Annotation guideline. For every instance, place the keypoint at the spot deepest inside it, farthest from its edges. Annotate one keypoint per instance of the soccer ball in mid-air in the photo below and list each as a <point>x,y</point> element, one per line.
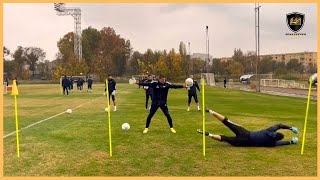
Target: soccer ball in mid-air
<point>189,82</point>
<point>69,111</point>
<point>125,126</point>
<point>106,109</point>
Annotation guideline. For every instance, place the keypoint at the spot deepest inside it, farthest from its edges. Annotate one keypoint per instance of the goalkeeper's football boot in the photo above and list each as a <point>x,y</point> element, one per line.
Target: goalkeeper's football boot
<point>200,131</point>
<point>172,130</point>
<point>145,130</point>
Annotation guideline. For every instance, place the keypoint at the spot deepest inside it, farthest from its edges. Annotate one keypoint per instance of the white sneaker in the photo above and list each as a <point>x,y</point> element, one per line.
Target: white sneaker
<point>188,109</point>
<point>198,108</point>
<point>115,108</point>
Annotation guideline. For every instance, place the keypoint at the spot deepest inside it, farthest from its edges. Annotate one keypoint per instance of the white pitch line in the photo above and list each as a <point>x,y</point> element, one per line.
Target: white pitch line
<point>12,133</point>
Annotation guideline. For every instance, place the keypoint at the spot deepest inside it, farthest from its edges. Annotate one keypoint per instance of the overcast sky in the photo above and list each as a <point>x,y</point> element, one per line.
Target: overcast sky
<point>163,26</point>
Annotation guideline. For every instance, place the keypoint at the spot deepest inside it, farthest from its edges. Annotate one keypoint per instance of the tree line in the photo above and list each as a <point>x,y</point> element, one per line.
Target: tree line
<point>106,52</point>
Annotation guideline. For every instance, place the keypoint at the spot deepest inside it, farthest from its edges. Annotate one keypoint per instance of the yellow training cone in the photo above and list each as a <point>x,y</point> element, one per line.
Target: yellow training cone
<point>14,91</point>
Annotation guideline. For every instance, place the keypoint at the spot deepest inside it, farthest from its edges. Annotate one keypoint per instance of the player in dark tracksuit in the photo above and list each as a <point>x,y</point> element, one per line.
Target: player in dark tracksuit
<point>148,90</point>
<point>90,82</point>
<point>81,83</point>
<point>112,90</point>
<point>192,92</point>
<point>266,138</point>
<point>71,83</point>
<point>159,94</point>
<point>65,85</point>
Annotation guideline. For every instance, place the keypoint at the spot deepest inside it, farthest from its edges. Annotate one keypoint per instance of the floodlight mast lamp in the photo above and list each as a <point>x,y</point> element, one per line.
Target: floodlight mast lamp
<point>76,14</point>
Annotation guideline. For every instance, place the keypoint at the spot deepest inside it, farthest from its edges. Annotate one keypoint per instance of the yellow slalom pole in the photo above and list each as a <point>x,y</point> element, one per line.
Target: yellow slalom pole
<point>14,93</point>
<point>306,117</point>
<point>17,126</point>
<point>109,118</point>
<point>203,119</point>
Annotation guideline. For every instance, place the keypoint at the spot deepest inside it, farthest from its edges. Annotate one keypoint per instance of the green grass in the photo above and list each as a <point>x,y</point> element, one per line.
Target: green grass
<point>77,144</point>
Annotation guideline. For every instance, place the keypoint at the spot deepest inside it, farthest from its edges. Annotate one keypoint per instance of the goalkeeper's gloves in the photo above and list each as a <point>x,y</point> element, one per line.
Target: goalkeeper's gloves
<point>294,130</point>
<point>294,140</point>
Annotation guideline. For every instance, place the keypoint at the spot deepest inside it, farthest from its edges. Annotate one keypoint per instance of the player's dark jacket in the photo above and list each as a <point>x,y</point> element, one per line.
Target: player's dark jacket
<point>65,82</point>
<point>264,137</point>
<point>149,90</point>
<point>193,88</point>
<point>160,91</point>
<point>81,82</point>
<point>71,80</point>
<point>111,85</point>
<point>90,82</point>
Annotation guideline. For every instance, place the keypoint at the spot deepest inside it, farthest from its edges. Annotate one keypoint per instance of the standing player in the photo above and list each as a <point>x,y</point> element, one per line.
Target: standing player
<point>112,91</point>
<point>79,84</point>
<point>192,92</point>
<point>160,90</point>
<point>148,91</point>
<point>71,83</point>
<point>225,82</point>
<point>90,81</point>
<point>6,81</point>
<point>65,85</point>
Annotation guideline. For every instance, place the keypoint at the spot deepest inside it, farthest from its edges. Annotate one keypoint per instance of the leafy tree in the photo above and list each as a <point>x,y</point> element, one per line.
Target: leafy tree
<point>90,44</point>
<point>266,65</point>
<point>295,65</point>
<point>20,63</point>
<point>235,68</point>
<point>8,66</point>
<point>33,55</point>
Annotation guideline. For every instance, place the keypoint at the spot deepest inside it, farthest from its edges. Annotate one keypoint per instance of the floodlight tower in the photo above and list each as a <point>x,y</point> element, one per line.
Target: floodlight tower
<point>257,38</point>
<point>76,14</point>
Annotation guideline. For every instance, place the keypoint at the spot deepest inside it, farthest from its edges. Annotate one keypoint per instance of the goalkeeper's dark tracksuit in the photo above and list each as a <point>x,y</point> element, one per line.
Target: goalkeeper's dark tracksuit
<point>192,92</point>
<point>90,81</point>
<point>148,92</point>
<point>65,85</point>
<point>253,138</point>
<point>111,87</point>
<point>159,95</point>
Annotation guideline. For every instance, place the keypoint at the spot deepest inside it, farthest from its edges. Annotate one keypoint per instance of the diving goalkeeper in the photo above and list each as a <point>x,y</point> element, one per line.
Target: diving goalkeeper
<point>266,138</point>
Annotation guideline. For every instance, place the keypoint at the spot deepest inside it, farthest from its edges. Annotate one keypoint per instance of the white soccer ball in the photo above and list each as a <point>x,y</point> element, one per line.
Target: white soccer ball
<point>69,111</point>
<point>106,110</point>
<point>189,82</point>
<point>125,126</point>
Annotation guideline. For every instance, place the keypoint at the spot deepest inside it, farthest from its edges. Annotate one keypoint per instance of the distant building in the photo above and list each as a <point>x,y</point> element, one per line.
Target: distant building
<point>307,58</point>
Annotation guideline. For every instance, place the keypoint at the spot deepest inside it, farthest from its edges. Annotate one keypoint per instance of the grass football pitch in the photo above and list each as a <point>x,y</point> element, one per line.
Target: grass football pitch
<point>77,144</point>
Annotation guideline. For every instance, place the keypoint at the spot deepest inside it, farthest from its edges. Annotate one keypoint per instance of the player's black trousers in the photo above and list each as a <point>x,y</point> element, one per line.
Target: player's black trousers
<point>195,97</point>
<point>65,89</point>
<point>153,110</point>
